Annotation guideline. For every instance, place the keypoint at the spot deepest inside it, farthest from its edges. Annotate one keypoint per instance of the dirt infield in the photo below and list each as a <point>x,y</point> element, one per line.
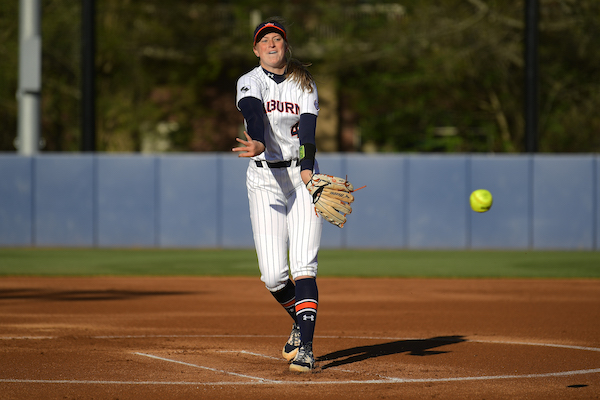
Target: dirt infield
<point>221,338</point>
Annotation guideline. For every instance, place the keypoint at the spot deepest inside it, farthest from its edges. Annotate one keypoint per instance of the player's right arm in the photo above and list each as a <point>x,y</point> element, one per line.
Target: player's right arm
<point>251,106</point>
<point>249,147</point>
<point>252,109</point>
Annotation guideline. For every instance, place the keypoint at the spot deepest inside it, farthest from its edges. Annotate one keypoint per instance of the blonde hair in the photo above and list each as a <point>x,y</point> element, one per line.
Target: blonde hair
<point>297,71</point>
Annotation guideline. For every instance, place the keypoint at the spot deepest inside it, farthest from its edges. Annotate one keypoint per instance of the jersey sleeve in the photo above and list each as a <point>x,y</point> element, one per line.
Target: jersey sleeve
<point>309,102</point>
<point>249,101</point>
<point>252,110</point>
<point>247,86</point>
<point>309,111</point>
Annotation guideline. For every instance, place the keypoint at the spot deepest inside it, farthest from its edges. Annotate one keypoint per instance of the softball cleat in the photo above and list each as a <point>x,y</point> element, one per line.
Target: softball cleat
<point>304,360</point>
<point>291,347</point>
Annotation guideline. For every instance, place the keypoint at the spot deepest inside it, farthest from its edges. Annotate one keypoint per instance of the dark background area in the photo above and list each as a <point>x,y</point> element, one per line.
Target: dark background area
<point>411,76</point>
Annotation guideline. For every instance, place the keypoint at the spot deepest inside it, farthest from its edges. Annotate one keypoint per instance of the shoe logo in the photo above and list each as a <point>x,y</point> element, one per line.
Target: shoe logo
<point>307,317</point>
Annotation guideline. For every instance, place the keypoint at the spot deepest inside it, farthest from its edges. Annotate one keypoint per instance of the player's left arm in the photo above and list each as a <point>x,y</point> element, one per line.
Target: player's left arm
<point>307,128</point>
<point>306,133</point>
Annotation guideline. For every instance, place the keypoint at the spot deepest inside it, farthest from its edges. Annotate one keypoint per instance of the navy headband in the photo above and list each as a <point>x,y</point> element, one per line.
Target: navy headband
<point>267,27</point>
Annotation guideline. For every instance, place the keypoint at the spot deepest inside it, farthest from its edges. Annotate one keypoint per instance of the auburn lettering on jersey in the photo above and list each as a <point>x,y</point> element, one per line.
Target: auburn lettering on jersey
<point>282,106</point>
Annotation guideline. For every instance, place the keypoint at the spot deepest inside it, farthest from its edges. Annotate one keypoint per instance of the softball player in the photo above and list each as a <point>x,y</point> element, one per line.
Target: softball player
<point>279,102</point>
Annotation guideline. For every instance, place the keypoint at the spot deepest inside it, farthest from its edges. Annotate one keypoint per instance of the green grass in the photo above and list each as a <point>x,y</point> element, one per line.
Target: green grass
<point>350,263</point>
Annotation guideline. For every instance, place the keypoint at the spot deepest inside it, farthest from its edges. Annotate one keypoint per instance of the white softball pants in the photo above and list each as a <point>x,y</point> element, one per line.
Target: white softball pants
<point>282,215</point>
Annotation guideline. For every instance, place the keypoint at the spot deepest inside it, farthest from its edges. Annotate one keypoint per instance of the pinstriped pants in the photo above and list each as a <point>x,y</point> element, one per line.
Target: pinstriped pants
<point>283,218</point>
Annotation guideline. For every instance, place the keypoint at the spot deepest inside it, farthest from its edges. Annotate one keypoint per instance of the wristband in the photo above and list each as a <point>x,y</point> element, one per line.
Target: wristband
<point>307,151</point>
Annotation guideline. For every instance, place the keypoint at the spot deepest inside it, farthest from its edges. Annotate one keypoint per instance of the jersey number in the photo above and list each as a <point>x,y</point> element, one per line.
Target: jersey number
<point>294,130</point>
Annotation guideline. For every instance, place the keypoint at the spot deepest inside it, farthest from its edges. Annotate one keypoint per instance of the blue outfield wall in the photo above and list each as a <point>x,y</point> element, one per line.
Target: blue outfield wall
<point>199,201</point>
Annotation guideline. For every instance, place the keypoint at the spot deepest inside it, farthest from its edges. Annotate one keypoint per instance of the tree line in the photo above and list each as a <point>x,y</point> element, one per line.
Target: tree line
<point>409,76</point>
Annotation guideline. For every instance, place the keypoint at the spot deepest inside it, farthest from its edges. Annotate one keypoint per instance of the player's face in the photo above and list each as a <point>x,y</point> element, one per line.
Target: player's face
<point>271,52</point>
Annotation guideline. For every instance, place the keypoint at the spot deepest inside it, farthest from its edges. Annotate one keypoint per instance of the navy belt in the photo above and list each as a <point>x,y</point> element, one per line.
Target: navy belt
<point>277,164</point>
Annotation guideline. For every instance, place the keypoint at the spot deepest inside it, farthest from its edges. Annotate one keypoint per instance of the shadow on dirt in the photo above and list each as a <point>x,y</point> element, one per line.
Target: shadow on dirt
<point>413,347</point>
<point>80,295</point>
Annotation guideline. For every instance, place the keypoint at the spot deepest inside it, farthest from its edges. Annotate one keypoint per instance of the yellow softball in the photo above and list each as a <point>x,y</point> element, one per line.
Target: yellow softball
<point>481,200</point>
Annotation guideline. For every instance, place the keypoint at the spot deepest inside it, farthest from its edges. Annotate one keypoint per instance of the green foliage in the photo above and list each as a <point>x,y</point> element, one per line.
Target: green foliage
<point>411,76</point>
<point>342,263</point>
<point>9,44</point>
<point>61,76</point>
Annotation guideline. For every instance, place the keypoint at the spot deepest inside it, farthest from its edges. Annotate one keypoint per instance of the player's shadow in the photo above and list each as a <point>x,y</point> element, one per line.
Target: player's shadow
<point>413,347</point>
<point>80,295</point>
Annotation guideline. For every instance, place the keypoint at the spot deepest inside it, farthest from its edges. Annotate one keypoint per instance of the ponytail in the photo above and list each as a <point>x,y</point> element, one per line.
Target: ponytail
<point>297,71</point>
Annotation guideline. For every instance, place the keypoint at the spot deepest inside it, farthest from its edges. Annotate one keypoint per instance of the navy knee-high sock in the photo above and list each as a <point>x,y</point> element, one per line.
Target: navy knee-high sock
<point>307,301</point>
<point>287,298</point>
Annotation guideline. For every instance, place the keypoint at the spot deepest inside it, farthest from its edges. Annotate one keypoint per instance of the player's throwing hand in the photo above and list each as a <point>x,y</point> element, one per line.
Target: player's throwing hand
<point>250,147</point>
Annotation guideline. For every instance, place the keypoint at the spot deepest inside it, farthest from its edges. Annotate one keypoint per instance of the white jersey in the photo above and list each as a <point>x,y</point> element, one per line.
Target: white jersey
<point>283,104</point>
<point>281,209</point>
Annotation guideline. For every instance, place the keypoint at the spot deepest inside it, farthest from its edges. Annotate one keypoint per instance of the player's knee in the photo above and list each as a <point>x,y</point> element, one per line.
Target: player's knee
<point>308,271</point>
<point>275,283</point>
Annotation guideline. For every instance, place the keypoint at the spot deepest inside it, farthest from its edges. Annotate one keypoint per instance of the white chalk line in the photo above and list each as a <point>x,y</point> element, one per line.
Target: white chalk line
<point>249,353</point>
<point>27,337</point>
<point>563,346</point>
<point>262,381</point>
<point>303,383</point>
<point>203,367</point>
<point>349,337</point>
